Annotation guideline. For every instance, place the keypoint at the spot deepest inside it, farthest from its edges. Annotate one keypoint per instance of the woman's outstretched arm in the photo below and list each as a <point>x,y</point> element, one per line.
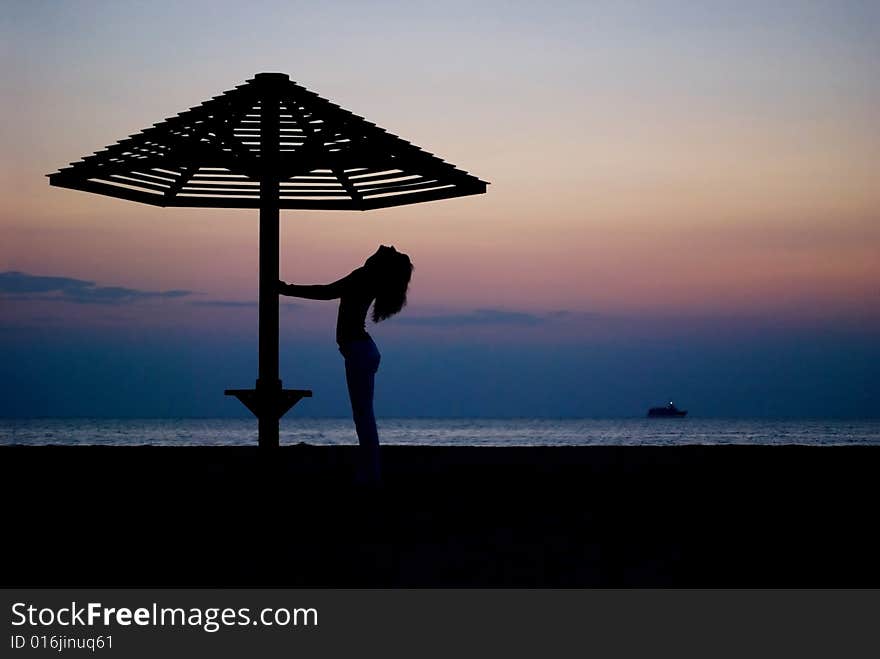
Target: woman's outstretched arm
<point>316,291</point>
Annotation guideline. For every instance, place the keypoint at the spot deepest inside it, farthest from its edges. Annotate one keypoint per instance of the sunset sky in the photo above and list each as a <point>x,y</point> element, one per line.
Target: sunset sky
<point>684,203</point>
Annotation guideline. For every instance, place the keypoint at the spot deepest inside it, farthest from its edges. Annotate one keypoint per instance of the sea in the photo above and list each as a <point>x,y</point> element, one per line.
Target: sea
<point>445,432</point>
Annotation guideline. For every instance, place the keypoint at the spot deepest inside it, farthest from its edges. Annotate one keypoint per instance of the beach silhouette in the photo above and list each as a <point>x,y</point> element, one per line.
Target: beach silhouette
<point>463,516</point>
<point>270,144</point>
<point>482,516</point>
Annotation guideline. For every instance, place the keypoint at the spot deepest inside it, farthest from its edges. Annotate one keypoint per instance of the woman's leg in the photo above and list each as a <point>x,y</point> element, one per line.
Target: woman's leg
<point>361,364</point>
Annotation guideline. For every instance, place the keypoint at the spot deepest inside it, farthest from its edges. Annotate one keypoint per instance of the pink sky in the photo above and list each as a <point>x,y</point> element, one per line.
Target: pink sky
<point>732,172</point>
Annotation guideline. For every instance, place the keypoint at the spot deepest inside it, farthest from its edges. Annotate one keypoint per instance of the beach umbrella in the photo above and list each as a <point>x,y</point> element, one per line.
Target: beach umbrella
<point>269,144</point>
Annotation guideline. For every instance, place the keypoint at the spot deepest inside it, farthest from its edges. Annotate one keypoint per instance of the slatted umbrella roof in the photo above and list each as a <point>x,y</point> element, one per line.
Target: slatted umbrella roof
<point>269,144</point>
<point>209,156</point>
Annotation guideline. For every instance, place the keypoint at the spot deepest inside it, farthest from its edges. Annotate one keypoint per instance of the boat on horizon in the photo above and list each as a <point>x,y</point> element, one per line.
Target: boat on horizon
<point>669,410</point>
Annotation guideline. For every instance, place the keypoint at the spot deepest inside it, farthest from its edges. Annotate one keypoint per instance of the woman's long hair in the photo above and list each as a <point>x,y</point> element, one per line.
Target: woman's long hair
<point>393,271</point>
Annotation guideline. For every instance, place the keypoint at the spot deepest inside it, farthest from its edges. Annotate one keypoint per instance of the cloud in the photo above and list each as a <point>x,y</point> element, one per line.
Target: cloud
<point>480,317</point>
<point>22,286</point>
<point>235,304</point>
<point>222,303</point>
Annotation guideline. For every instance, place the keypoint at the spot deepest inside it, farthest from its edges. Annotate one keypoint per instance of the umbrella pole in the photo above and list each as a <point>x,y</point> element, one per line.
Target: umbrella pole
<point>268,382</point>
<point>268,401</point>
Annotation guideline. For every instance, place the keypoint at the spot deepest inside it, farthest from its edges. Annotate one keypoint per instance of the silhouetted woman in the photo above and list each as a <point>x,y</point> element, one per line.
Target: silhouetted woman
<point>382,281</point>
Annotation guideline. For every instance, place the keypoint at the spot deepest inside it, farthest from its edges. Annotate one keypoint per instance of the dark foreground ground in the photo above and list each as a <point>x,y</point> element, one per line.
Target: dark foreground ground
<point>582,516</point>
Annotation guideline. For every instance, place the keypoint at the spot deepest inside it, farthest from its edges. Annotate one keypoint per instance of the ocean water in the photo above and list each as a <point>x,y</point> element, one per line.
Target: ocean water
<point>445,432</point>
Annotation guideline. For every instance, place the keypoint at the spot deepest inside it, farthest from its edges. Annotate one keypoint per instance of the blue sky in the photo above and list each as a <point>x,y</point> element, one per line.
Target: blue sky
<point>443,364</point>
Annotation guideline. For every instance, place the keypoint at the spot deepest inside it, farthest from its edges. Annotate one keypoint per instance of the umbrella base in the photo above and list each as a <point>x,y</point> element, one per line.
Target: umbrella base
<point>269,405</point>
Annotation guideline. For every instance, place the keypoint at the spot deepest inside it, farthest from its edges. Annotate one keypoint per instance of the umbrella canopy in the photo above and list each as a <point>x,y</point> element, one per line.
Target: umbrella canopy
<point>212,156</point>
<point>269,144</point>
